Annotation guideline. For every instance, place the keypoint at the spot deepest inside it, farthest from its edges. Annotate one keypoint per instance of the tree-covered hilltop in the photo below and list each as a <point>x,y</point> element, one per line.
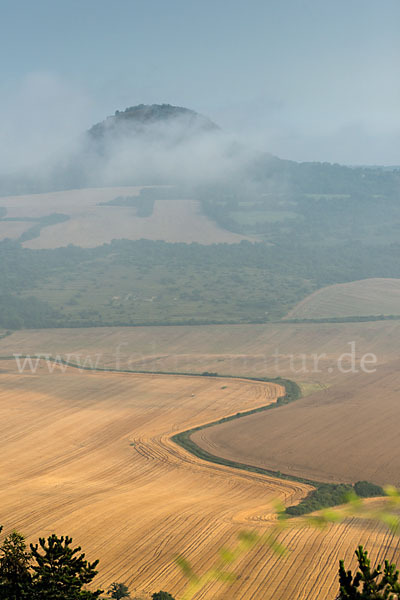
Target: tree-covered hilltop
<point>234,171</point>
<point>137,119</point>
<point>313,224</point>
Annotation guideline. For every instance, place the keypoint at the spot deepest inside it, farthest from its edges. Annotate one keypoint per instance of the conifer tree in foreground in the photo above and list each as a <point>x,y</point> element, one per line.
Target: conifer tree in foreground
<point>14,567</point>
<point>368,584</point>
<point>61,571</point>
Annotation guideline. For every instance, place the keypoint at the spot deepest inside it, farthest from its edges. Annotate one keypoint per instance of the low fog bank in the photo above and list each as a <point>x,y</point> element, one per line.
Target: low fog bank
<point>174,145</point>
<point>49,143</point>
<point>144,145</point>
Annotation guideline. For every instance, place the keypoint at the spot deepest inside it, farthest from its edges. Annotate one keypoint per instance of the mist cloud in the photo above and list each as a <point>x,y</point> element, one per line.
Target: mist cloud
<point>41,118</point>
<point>171,151</point>
<point>44,140</point>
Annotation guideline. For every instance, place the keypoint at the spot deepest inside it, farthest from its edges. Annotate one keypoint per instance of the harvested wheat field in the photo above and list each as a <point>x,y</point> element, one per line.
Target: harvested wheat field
<point>71,202</point>
<point>270,350</point>
<point>88,454</point>
<point>13,229</point>
<point>358,298</point>
<point>92,225</point>
<point>346,434</point>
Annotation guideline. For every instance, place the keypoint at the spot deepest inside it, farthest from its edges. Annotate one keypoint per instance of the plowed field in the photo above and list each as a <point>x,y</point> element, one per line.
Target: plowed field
<point>89,454</point>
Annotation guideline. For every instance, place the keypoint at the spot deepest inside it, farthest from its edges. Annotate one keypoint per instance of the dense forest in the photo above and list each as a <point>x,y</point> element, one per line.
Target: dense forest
<point>146,282</point>
<point>315,203</point>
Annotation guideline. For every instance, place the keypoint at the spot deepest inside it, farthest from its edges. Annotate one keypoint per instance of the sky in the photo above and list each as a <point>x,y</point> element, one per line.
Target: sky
<point>302,79</point>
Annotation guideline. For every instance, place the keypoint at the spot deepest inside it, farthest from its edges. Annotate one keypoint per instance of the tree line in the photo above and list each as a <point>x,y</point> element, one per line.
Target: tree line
<point>53,569</point>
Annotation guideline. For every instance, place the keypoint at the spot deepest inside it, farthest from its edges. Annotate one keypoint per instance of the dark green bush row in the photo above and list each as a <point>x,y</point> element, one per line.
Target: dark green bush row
<point>324,494</point>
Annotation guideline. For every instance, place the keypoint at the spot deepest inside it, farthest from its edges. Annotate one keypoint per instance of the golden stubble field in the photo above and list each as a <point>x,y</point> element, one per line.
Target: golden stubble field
<point>90,225</point>
<point>347,433</point>
<point>376,296</point>
<point>89,454</point>
<point>270,350</point>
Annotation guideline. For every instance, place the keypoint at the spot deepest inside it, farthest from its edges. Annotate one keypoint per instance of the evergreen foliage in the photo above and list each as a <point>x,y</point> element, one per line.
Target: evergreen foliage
<point>162,596</point>
<point>368,583</point>
<point>365,489</point>
<point>118,591</point>
<point>14,567</point>
<point>325,495</point>
<point>61,571</point>
<point>52,570</point>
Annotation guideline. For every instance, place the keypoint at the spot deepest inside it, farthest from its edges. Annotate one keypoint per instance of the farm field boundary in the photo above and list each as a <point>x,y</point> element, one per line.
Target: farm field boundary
<point>323,494</point>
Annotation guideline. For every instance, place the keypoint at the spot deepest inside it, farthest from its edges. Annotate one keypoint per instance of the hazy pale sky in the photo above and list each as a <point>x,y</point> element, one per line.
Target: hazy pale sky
<point>303,79</point>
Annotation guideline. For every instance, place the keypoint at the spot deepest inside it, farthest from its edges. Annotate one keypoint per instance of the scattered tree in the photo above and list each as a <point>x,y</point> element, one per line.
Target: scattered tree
<point>118,590</point>
<point>366,489</point>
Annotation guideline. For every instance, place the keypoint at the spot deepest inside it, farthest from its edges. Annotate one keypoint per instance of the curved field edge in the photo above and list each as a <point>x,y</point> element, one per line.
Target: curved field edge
<point>367,298</point>
<point>322,496</point>
<point>157,498</point>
